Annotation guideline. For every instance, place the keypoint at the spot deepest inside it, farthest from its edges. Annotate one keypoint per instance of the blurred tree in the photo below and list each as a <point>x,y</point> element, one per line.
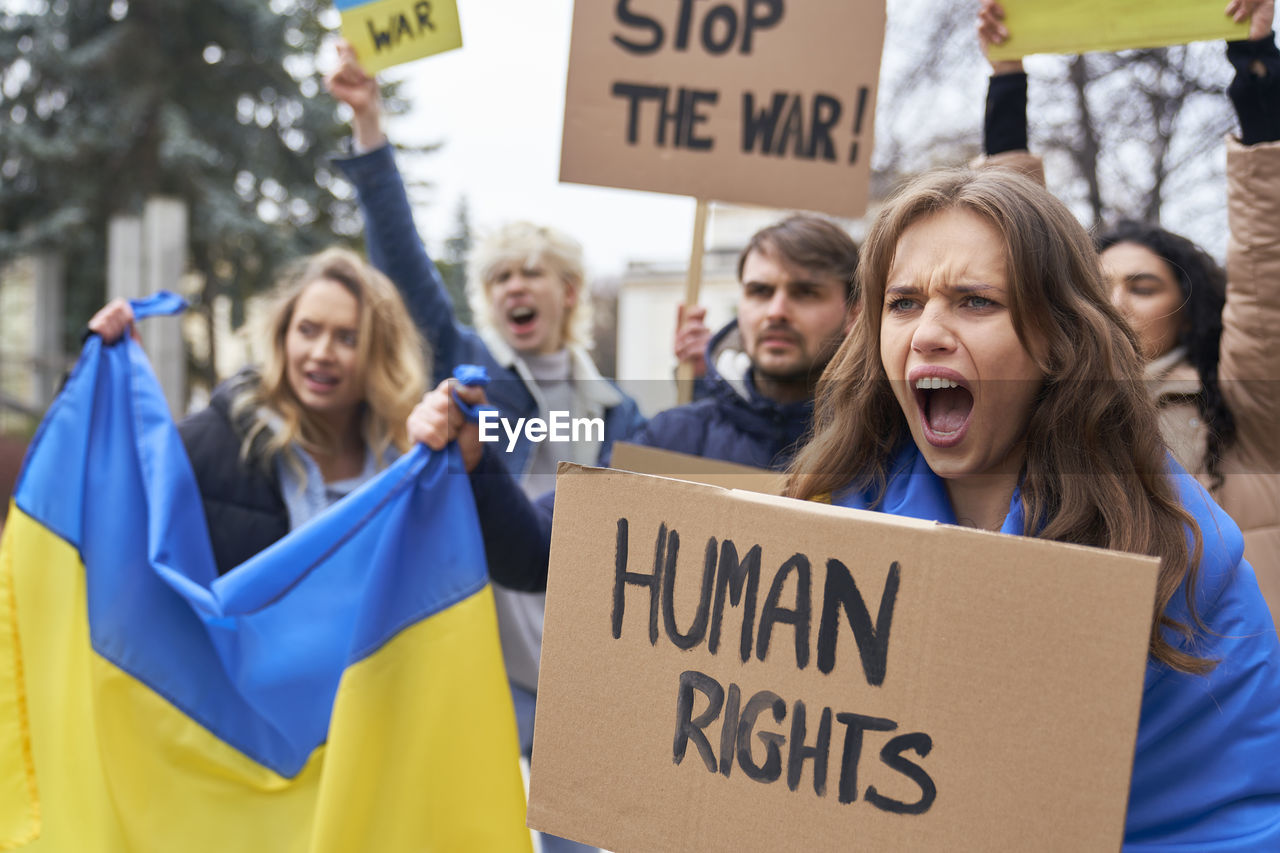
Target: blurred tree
<point>453,265</point>
<point>217,102</point>
<point>1138,135</point>
<point>1134,134</point>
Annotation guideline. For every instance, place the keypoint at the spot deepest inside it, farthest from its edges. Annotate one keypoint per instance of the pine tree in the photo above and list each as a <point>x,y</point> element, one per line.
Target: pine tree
<point>217,102</point>
<point>453,266</point>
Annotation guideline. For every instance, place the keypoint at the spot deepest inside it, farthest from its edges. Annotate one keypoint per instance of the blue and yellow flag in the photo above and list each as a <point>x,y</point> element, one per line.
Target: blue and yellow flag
<point>341,691</point>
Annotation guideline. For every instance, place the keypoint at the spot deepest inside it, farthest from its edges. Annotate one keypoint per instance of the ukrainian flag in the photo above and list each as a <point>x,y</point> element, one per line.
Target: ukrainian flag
<point>341,691</point>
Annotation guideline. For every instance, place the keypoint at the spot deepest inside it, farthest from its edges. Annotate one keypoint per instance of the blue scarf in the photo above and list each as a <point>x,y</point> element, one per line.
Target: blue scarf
<point>914,491</point>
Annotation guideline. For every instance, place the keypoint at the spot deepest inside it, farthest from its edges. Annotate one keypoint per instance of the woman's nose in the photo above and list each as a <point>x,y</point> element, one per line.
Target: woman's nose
<point>932,334</point>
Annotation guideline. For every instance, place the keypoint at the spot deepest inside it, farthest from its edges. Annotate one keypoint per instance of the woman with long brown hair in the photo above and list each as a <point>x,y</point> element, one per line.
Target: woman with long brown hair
<point>990,382</point>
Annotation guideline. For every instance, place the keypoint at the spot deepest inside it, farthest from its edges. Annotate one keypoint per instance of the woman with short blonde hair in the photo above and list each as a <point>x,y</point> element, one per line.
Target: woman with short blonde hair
<point>526,245</point>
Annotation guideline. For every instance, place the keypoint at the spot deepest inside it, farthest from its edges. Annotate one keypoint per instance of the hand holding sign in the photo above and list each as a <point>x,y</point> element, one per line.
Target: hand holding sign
<point>992,31</point>
<point>692,336</point>
<point>1259,13</point>
<point>350,84</point>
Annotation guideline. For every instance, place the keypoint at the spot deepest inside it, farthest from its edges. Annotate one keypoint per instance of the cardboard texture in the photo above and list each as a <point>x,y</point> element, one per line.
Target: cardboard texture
<point>695,469</point>
<point>1080,26</point>
<point>391,32</point>
<point>983,690</point>
<point>760,102</point>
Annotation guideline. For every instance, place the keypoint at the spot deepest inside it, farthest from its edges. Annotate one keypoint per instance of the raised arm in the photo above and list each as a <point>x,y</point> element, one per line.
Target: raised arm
<point>1250,359</point>
<point>393,242</point>
<point>1004,128</point>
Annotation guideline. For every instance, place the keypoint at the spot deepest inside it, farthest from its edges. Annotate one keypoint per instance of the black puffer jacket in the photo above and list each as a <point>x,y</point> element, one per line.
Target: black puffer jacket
<point>242,502</point>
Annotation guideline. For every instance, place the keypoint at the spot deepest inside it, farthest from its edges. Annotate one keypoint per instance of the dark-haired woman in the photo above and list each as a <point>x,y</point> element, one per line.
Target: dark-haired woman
<point>1210,348</point>
<point>990,382</point>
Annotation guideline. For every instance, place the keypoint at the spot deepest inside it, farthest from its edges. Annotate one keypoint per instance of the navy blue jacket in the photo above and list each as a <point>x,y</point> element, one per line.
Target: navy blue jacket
<point>395,248</point>
<point>733,421</point>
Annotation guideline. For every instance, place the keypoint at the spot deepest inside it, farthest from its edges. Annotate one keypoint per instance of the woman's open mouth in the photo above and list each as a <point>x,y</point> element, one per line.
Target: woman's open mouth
<point>945,409</point>
<point>319,382</point>
<point>522,319</point>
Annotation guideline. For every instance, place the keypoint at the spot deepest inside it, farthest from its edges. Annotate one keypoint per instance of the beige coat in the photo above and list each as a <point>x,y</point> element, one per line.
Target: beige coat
<point>1249,368</point>
<point>1250,362</point>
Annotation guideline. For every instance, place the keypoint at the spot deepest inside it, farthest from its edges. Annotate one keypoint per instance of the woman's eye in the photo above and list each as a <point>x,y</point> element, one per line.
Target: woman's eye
<point>902,303</point>
<point>347,339</point>
<point>980,302</point>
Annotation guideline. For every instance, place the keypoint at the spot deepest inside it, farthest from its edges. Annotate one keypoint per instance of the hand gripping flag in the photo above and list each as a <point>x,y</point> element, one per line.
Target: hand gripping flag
<point>341,691</point>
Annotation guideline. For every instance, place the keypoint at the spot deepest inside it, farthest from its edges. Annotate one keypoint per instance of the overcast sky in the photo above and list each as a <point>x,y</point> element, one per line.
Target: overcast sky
<point>497,105</point>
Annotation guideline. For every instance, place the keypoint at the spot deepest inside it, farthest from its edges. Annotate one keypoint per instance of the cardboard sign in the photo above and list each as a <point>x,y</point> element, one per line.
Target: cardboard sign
<point>726,671</point>
<point>1079,26</point>
<point>389,32</point>
<point>695,469</point>
<point>750,101</point>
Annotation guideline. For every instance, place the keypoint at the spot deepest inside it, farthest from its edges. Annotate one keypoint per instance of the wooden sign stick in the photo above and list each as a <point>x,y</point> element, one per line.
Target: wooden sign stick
<point>693,284</point>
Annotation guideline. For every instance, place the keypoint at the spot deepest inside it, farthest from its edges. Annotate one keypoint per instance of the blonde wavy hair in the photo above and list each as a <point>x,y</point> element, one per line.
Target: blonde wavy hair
<point>390,357</point>
<point>528,244</point>
<point>1096,470</point>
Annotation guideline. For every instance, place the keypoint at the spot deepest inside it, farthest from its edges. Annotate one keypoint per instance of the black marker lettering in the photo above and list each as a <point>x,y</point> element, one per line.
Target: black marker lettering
<point>688,728</point>
<point>681,118</point>
<point>792,129</point>
<point>826,113</point>
<point>772,767</point>
<point>800,753</point>
<point>873,642</point>
<point>381,38</point>
<point>636,93</point>
<point>732,576</point>
<point>855,725</point>
<point>625,16</point>
<point>423,11</point>
<point>729,729</point>
<point>760,125</point>
<point>728,19</point>
<point>622,577</point>
<point>799,617</point>
<point>754,21</point>
<point>682,25</point>
<point>698,629</point>
<point>892,756</point>
<point>693,118</point>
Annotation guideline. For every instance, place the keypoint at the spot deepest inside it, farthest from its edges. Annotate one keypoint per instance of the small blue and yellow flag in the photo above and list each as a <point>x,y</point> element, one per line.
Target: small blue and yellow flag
<point>341,691</point>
